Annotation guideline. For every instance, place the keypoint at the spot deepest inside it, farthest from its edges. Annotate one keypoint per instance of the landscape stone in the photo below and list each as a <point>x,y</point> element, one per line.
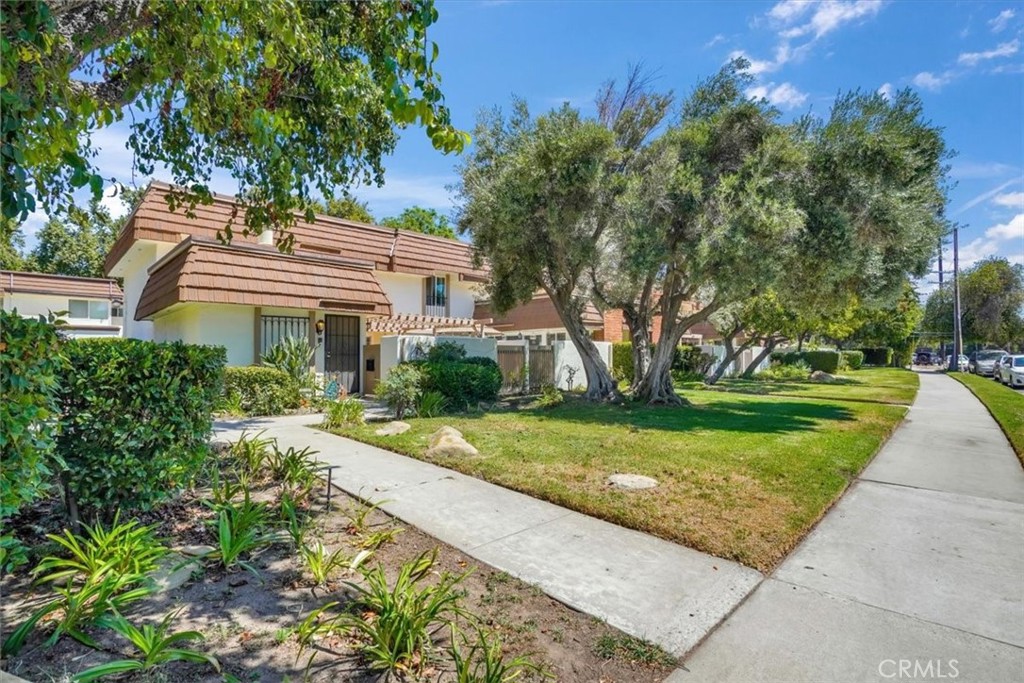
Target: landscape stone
<point>174,571</point>
<point>632,482</point>
<point>448,442</point>
<point>220,447</point>
<point>821,376</point>
<point>195,550</point>
<point>393,428</point>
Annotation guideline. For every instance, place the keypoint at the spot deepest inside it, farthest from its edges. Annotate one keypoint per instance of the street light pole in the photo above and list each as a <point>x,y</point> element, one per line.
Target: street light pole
<point>954,362</point>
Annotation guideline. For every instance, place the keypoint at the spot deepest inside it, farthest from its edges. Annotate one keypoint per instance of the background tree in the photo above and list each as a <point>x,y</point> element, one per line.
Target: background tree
<point>76,244</point>
<point>991,301</point>
<point>889,325</point>
<point>292,98</point>
<point>346,206</point>
<point>418,219</point>
<point>529,190</point>
<point>12,246</point>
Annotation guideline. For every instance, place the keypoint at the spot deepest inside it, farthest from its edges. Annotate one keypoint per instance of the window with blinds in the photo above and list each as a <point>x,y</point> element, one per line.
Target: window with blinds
<point>278,327</point>
<point>436,296</point>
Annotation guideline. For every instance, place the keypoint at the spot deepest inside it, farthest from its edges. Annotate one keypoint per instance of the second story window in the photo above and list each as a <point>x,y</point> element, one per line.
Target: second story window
<point>82,309</point>
<point>437,296</point>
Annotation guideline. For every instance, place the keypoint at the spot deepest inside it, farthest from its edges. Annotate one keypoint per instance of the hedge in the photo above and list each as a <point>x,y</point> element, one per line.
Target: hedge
<point>30,365</point>
<point>136,419</point>
<point>826,361</point>
<point>622,361</point>
<point>852,359</point>
<point>261,390</point>
<point>877,355</point>
<point>464,383</point>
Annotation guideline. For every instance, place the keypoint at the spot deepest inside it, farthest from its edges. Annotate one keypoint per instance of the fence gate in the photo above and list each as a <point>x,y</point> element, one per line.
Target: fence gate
<point>512,361</point>
<point>542,367</point>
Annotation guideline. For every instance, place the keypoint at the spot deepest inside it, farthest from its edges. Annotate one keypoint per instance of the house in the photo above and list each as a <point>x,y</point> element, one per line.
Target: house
<point>90,307</point>
<point>346,285</point>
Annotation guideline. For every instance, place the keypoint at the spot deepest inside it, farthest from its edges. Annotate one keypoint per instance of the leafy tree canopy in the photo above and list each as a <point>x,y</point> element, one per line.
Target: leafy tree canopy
<point>991,304</point>
<point>418,219</point>
<point>292,98</point>
<point>76,244</point>
<point>346,206</point>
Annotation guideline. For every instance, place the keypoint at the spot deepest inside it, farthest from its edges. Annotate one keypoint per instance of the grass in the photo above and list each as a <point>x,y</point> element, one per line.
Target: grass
<point>742,475</point>
<point>1005,404</point>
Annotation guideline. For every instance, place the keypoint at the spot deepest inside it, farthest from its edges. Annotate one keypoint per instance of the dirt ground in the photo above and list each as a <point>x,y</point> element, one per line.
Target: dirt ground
<point>246,620</point>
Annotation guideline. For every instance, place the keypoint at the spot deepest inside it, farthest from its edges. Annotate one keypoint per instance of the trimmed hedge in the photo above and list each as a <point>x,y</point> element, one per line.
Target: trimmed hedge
<point>622,361</point>
<point>852,359</point>
<point>877,355</point>
<point>137,416</point>
<point>262,390</point>
<point>464,382</point>
<point>826,361</point>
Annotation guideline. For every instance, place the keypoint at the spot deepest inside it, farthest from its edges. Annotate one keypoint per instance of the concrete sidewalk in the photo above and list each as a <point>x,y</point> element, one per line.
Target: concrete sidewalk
<point>647,587</point>
<point>918,572</point>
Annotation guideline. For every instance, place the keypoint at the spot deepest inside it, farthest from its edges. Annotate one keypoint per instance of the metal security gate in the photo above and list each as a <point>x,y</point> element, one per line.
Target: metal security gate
<point>341,351</point>
<point>542,367</point>
<point>512,361</point>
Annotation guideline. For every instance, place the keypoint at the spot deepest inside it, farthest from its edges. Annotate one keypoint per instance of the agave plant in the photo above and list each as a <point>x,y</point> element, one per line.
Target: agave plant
<point>294,356</point>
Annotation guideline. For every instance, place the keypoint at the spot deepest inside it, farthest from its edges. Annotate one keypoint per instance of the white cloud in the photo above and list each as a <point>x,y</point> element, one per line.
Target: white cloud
<point>1006,49</point>
<point>1009,69</point>
<point>788,10</point>
<point>984,196</point>
<point>886,90</point>
<point>1012,229</point>
<point>400,192</point>
<point>972,252</point>
<point>828,16</point>
<point>1001,20</point>
<point>784,95</point>
<point>718,38</point>
<point>1013,200</point>
<point>761,66</point>
<point>964,170</point>
<point>930,81</point>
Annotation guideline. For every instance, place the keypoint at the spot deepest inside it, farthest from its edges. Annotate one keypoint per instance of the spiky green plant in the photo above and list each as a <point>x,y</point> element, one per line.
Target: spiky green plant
<point>241,530</point>
<point>483,661</point>
<point>321,563</point>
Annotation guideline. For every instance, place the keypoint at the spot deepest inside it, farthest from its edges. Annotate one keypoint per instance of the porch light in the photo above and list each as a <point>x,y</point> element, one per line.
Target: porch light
<point>319,327</point>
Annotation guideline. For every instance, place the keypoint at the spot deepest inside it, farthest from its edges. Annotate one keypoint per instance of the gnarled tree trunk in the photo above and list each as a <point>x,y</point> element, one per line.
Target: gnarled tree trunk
<point>600,384</point>
<point>769,346</point>
<point>639,324</point>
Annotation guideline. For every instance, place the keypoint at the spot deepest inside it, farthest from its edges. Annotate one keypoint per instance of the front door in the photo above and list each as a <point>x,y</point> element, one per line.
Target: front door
<point>341,351</point>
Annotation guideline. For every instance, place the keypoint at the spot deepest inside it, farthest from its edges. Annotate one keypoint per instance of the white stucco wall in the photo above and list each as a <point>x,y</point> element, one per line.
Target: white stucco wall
<point>566,356</point>
<point>406,294</point>
<point>136,274</point>
<point>31,305</point>
<point>211,324</point>
<point>395,349</point>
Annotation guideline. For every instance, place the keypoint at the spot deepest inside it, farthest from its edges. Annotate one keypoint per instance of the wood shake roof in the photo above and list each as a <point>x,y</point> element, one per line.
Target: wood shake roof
<point>537,314</point>
<point>60,285</point>
<point>388,249</point>
<point>204,271</point>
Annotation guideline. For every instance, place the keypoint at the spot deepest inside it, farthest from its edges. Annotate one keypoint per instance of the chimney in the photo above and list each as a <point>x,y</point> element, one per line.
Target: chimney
<point>267,236</point>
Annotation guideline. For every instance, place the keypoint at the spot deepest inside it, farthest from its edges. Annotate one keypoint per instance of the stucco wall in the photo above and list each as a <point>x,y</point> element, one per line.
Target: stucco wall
<point>31,305</point>
<point>406,294</point>
<point>211,324</point>
<point>135,277</point>
<point>395,349</point>
<point>566,356</point>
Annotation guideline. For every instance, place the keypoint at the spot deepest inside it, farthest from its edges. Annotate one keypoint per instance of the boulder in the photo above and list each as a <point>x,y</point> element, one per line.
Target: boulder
<point>195,550</point>
<point>631,482</point>
<point>174,571</point>
<point>448,441</point>
<point>220,447</point>
<point>822,376</point>
<point>393,428</point>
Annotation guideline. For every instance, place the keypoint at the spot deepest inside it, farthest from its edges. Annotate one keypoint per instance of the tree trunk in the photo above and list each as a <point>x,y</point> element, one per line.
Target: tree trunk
<point>640,336</point>
<point>71,505</point>
<point>731,354</point>
<point>768,348</point>
<point>600,384</point>
<point>656,387</point>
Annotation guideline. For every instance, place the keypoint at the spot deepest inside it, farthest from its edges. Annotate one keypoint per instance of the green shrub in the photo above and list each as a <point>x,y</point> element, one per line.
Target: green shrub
<point>463,383</point>
<point>261,390</point>
<point>446,352</point>
<point>343,413</point>
<point>294,357</point>
<point>400,389</point>
<point>550,396</point>
<point>691,361</point>
<point>903,353</point>
<point>622,361</point>
<point>826,361</point>
<point>880,356</point>
<point>852,360</point>
<point>431,404</point>
<point>136,419</point>
<point>30,367</point>
<point>777,371</point>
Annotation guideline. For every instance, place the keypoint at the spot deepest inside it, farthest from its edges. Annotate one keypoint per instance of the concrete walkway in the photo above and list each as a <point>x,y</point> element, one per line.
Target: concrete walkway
<point>917,573</point>
<point>643,585</point>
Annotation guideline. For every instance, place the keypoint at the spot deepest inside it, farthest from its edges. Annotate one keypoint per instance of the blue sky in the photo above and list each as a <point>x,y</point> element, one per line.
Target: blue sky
<point>965,58</point>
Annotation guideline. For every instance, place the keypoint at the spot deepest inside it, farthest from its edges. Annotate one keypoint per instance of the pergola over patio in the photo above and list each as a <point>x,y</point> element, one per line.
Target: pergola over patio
<point>408,323</point>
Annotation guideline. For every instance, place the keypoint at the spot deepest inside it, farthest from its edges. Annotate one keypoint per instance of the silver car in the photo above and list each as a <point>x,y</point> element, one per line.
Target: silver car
<point>1011,371</point>
<point>985,362</point>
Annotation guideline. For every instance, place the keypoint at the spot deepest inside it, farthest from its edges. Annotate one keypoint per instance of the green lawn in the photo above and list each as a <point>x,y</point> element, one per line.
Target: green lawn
<point>883,385</point>
<point>1005,404</point>
<point>743,476</point>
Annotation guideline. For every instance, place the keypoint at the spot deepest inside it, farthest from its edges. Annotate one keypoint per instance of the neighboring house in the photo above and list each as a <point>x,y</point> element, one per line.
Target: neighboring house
<point>91,307</point>
<point>345,286</point>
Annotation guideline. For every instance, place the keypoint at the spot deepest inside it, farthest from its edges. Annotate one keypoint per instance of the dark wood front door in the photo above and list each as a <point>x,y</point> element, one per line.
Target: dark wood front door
<point>341,351</point>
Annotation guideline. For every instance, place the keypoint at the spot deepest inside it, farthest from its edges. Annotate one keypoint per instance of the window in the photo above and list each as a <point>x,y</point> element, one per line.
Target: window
<point>437,296</point>
<point>274,328</point>
<point>88,310</point>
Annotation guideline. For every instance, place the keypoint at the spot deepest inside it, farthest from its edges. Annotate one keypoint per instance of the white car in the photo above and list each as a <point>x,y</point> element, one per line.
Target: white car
<point>962,365</point>
<point>1011,371</point>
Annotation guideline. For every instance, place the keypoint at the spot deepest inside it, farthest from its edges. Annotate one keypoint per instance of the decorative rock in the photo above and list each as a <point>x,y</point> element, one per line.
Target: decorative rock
<point>195,550</point>
<point>174,571</point>
<point>821,376</point>
<point>393,428</point>
<point>631,482</point>
<point>448,441</point>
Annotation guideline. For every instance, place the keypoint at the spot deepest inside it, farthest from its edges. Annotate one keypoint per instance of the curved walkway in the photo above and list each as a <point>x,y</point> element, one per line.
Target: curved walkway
<point>917,573</point>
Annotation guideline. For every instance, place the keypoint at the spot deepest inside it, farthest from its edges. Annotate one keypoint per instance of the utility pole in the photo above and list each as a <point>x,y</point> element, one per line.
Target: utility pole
<point>954,362</point>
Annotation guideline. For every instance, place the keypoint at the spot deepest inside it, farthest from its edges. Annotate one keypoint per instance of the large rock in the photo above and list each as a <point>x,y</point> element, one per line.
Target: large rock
<point>631,482</point>
<point>822,376</point>
<point>448,442</point>
<point>174,571</point>
<point>393,428</point>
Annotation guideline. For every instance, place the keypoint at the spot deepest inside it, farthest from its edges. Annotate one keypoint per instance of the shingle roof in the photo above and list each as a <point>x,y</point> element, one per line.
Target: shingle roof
<point>400,251</point>
<point>60,285</point>
<point>536,314</point>
<point>204,271</point>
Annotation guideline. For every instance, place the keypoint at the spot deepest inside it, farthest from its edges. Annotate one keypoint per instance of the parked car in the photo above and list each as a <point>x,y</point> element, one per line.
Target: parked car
<point>927,358</point>
<point>1011,370</point>
<point>985,362</point>
<point>962,364</point>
